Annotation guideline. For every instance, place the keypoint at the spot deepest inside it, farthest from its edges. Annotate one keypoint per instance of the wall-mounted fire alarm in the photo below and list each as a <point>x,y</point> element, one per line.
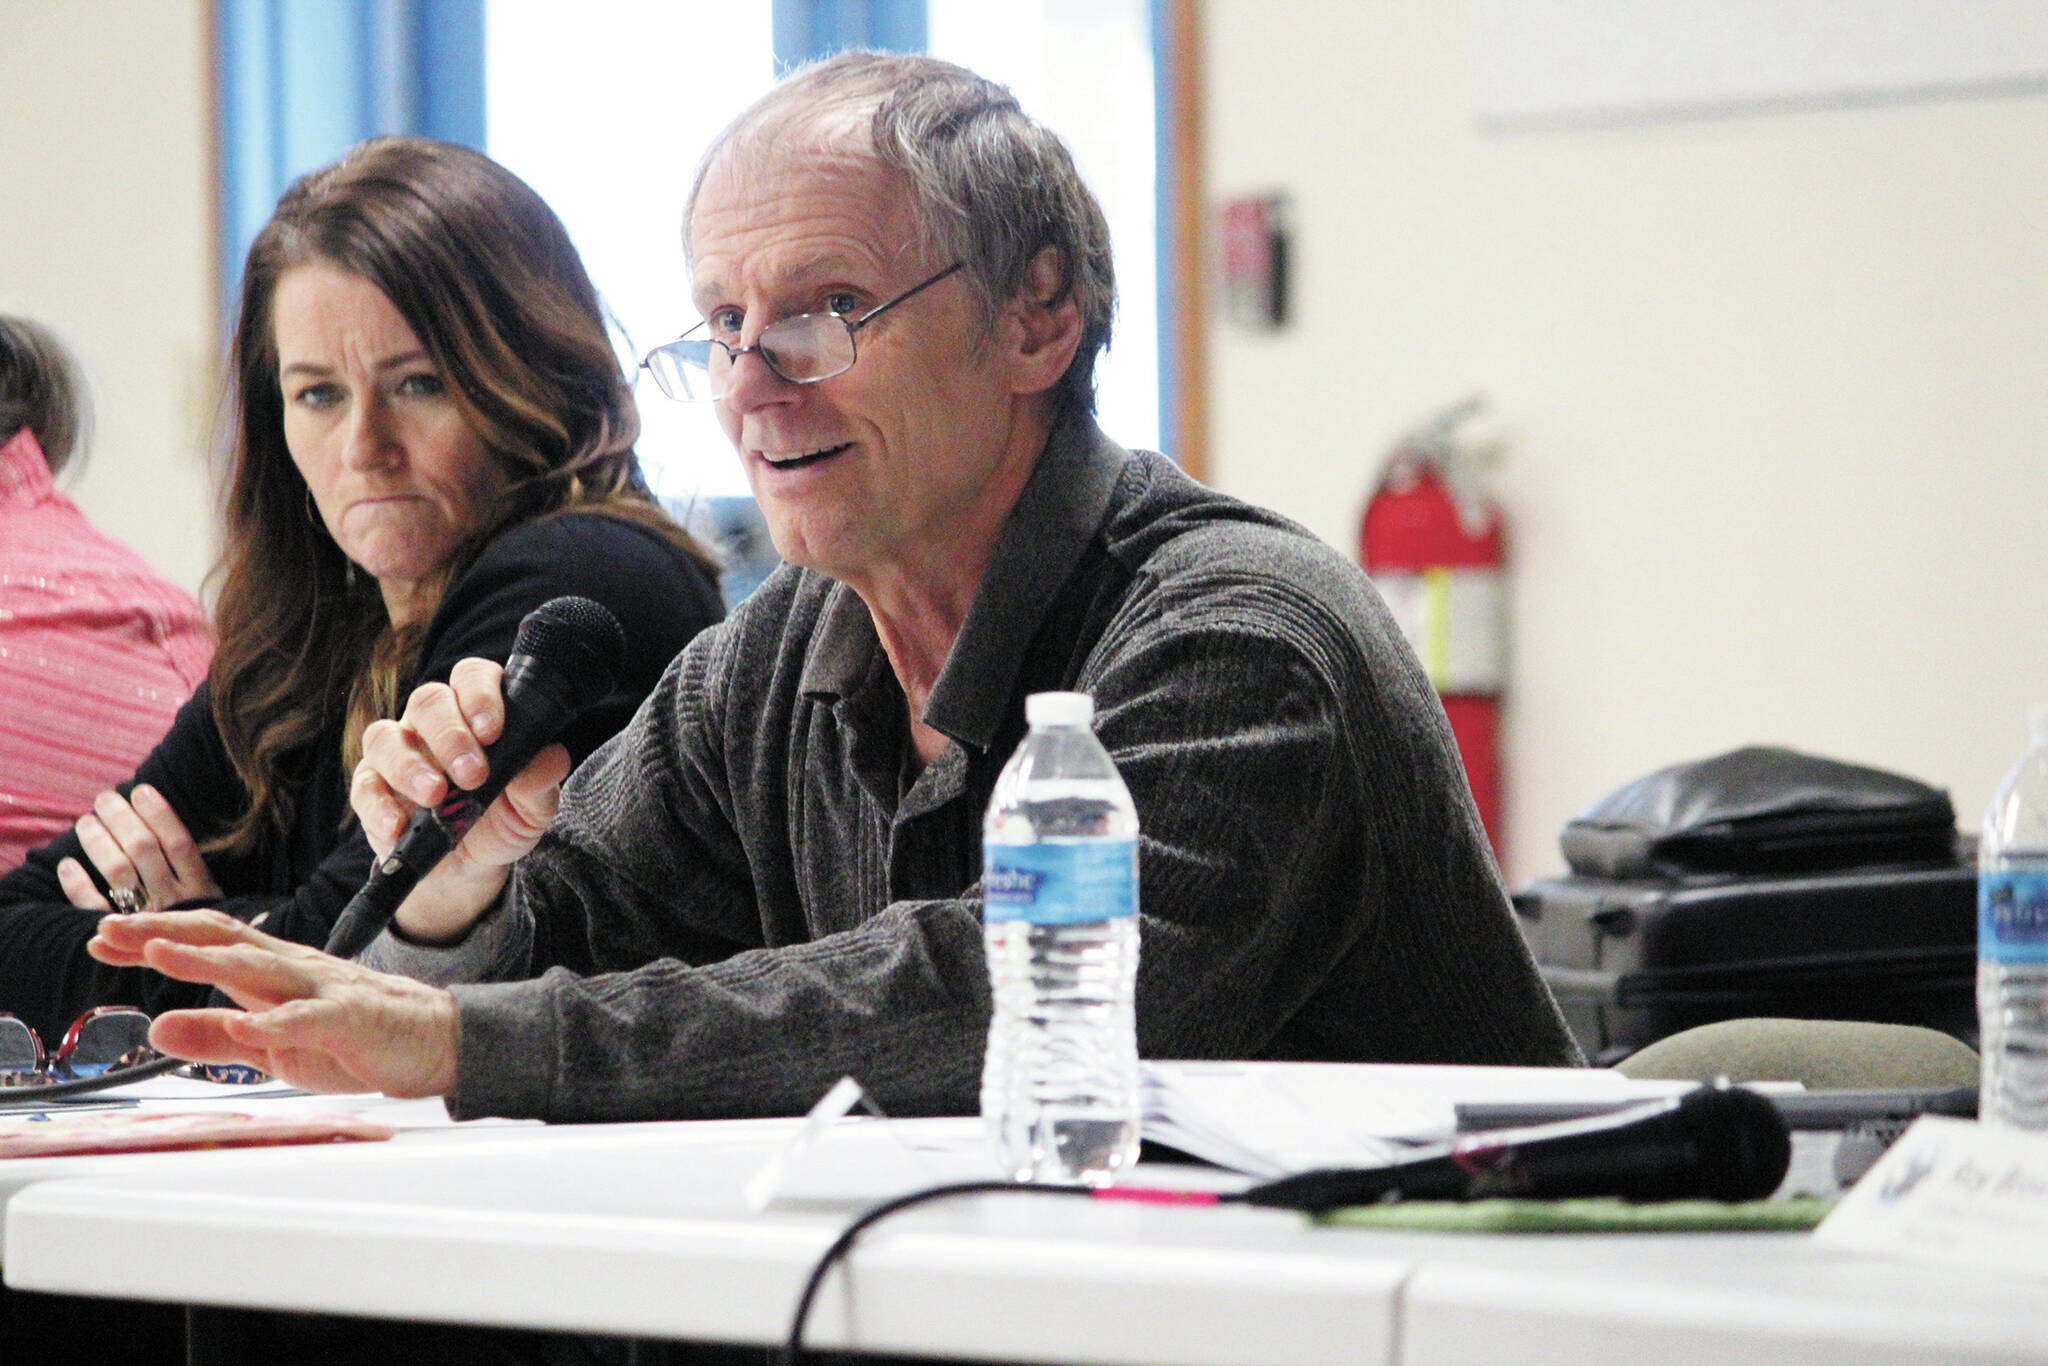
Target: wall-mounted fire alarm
<point>1255,251</point>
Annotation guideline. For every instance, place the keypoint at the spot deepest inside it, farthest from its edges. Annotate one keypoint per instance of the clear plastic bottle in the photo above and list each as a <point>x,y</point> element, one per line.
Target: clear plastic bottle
<point>2012,941</point>
<point>1059,1089</point>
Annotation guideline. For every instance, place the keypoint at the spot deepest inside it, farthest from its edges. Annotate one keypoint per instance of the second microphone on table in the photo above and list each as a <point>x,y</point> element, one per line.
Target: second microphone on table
<point>564,660</point>
<point>1712,1143</point>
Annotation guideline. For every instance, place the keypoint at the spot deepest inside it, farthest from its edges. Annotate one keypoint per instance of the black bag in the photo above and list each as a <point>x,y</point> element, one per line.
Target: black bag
<point>1760,810</point>
<point>1758,882</point>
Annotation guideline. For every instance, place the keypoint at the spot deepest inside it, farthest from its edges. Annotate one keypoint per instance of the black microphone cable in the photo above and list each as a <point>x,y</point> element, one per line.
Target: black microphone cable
<point>792,1353</point>
<point>1717,1142</point>
<point>27,1097</point>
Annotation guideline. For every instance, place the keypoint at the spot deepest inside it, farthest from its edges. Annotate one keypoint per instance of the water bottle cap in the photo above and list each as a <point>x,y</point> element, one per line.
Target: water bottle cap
<point>1043,709</point>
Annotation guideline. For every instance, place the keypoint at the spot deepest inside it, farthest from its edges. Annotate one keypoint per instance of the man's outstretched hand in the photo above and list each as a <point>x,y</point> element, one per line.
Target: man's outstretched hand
<point>314,1020</point>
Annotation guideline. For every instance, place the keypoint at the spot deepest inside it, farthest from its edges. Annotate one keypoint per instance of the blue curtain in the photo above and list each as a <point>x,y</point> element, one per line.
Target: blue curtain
<point>808,29</point>
<point>301,80</point>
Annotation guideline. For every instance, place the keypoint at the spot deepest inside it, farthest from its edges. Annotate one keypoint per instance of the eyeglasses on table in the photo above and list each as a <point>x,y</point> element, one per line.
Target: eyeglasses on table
<point>99,1041</point>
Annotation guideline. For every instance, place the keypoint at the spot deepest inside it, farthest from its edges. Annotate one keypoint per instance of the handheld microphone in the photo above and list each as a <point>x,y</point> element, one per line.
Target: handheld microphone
<point>1714,1142</point>
<point>563,660</point>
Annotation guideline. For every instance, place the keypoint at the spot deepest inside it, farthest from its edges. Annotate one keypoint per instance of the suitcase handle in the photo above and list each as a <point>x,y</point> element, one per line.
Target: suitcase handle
<point>1581,984</point>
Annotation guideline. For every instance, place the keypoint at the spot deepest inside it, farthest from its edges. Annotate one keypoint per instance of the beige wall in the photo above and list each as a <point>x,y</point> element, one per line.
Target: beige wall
<point>1773,390</point>
<point>105,163</point>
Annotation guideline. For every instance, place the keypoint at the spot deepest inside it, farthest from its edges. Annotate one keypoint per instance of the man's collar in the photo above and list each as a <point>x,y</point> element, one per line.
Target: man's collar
<point>1056,515</point>
<point>843,648</point>
<point>1042,541</point>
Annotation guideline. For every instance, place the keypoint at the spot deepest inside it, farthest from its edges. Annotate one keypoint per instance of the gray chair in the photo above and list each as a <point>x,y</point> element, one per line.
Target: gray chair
<point>1825,1055</point>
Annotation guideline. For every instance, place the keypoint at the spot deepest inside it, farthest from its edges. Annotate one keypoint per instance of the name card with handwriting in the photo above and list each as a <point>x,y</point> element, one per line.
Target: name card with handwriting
<point>1952,1190</point>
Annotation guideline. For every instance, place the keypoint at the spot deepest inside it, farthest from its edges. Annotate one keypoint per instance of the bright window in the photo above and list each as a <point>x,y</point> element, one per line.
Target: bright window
<point>605,116</point>
<point>1084,68</point>
<point>606,113</point>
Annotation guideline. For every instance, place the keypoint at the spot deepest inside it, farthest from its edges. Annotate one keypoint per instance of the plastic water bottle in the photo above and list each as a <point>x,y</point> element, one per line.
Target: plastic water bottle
<point>1059,1089</point>
<point>2012,941</point>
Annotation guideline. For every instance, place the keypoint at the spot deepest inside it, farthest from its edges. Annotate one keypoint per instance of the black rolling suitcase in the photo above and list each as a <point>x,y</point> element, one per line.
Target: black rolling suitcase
<point>1759,882</point>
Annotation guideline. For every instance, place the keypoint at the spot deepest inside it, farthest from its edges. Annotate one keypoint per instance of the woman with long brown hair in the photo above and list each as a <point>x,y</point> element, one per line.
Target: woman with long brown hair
<point>431,435</point>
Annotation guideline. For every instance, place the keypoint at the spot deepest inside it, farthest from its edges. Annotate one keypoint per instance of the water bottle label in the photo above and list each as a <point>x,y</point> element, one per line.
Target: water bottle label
<point>1060,882</point>
<point>2012,917</point>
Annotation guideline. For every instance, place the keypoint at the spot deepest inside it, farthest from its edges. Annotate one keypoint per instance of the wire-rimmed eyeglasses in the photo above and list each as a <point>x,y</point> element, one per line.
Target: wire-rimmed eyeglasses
<point>103,1038</point>
<point>802,349</point>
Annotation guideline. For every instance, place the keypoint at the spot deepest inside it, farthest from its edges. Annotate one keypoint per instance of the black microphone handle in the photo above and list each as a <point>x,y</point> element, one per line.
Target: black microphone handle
<point>1723,1144</point>
<point>536,709</point>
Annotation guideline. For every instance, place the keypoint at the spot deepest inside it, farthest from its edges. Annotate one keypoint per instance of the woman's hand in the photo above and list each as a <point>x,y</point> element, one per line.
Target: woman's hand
<point>415,761</point>
<point>319,1022</point>
<point>141,849</point>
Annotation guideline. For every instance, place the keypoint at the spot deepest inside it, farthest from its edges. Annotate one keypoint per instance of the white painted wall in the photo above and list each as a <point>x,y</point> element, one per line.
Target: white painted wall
<point>107,235</point>
<point>1773,389</point>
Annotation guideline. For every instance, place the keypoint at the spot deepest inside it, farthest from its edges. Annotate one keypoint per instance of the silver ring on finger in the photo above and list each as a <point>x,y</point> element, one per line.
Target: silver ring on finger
<point>128,900</point>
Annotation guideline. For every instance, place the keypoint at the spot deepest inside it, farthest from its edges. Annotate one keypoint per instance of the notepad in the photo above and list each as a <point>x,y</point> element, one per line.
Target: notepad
<point>73,1135</point>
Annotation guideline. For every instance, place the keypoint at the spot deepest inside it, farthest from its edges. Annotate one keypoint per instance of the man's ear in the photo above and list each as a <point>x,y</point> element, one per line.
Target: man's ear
<point>1041,333</point>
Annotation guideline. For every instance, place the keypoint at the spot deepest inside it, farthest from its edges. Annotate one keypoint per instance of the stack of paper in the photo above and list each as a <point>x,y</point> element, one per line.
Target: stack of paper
<point>1270,1119</point>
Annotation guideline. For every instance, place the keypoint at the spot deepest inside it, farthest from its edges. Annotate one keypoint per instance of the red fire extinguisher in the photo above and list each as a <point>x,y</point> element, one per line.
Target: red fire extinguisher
<point>1433,544</point>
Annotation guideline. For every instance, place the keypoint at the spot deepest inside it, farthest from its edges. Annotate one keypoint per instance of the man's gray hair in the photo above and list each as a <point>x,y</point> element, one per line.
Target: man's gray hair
<point>989,185</point>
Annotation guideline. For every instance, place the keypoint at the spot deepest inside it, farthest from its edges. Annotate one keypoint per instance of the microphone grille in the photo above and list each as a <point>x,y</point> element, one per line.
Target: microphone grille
<point>578,637</point>
<point>1743,1143</point>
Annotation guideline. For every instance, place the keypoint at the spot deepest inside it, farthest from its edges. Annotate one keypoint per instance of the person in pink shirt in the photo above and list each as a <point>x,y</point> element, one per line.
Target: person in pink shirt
<point>97,649</point>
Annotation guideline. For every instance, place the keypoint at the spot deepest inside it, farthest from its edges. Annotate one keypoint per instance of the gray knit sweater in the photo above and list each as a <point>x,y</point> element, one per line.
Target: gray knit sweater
<point>745,895</point>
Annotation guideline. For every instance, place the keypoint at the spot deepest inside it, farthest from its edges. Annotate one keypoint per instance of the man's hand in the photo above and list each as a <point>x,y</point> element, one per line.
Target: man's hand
<point>317,1021</point>
<point>410,763</point>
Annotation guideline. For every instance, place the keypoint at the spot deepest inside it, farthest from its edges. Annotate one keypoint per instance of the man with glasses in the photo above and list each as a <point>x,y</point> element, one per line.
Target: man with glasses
<point>770,879</point>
